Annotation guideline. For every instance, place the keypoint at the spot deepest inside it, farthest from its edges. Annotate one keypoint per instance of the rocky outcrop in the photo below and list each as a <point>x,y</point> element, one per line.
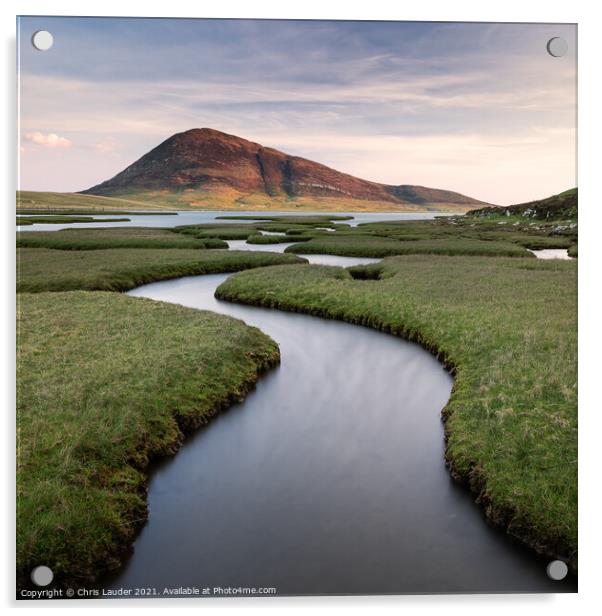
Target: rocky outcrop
<point>557,207</point>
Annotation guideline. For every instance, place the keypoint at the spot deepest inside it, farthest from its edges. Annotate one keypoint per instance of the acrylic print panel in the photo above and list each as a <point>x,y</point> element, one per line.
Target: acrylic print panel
<point>185,430</point>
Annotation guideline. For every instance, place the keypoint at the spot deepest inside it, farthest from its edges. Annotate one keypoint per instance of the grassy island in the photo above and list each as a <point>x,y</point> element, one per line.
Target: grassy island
<point>106,383</point>
<point>121,269</point>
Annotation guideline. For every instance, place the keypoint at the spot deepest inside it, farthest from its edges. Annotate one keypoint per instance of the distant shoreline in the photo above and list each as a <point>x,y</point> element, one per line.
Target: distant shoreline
<point>35,202</point>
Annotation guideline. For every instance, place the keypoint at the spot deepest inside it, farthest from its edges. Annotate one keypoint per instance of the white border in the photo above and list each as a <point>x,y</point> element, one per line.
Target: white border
<point>590,182</point>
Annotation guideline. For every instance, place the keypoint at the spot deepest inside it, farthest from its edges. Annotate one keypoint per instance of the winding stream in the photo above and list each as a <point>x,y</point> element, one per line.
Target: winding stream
<point>328,479</point>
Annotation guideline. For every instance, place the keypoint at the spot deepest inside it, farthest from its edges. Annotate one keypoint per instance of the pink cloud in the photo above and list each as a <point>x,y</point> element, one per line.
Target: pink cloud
<point>107,145</point>
<point>50,140</point>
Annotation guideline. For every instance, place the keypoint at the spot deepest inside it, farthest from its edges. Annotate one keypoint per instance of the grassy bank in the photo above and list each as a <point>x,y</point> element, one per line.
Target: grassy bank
<point>223,232</point>
<point>275,239</point>
<point>348,245</point>
<point>444,236</point>
<point>233,200</point>
<point>120,269</point>
<point>106,382</point>
<point>47,202</point>
<point>115,237</point>
<point>512,418</point>
<point>506,229</point>
<point>228,199</point>
<point>63,220</point>
<point>79,212</point>
<point>252,225</point>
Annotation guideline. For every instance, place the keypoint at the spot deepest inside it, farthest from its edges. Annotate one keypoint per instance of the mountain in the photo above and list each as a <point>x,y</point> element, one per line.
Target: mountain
<point>557,207</point>
<point>204,167</point>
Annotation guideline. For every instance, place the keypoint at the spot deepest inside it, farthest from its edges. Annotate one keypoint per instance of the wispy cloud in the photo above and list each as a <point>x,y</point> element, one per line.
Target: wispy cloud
<point>49,140</point>
<point>107,145</point>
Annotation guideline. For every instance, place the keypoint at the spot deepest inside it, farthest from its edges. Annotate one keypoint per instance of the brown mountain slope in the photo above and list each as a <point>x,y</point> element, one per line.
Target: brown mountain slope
<point>203,165</point>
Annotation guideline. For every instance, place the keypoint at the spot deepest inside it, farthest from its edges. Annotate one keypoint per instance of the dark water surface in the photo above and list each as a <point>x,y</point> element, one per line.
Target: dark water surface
<point>328,478</point>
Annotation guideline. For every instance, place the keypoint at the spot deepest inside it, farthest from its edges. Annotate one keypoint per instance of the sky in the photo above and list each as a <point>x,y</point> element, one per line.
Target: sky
<point>479,108</point>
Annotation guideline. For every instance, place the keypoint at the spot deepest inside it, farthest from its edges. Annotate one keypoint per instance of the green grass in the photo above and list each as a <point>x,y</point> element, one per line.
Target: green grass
<point>227,199</point>
<point>107,382</point>
<point>274,239</point>
<point>365,246</point>
<point>291,228</point>
<point>63,220</point>
<point>120,269</point>
<point>223,232</point>
<point>572,251</point>
<point>115,237</point>
<point>512,417</point>
<point>541,243</point>
<point>447,235</point>
<point>42,202</point>
<point>240,231</point>
<point>504,229</point>
<point>80,212</point>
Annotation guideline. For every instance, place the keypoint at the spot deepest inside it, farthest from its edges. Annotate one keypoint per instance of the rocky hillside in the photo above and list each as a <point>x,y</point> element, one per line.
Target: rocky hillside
<point>558,207</point>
